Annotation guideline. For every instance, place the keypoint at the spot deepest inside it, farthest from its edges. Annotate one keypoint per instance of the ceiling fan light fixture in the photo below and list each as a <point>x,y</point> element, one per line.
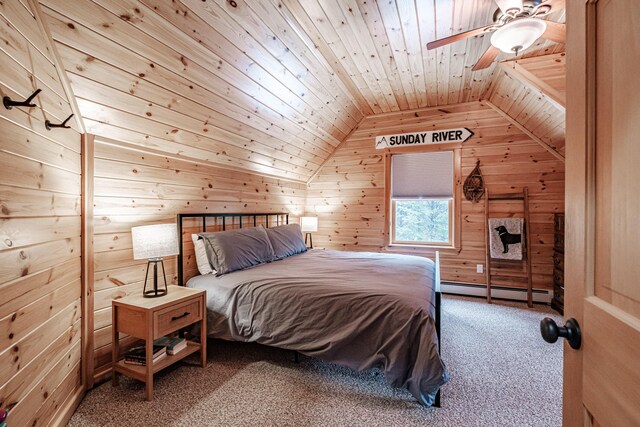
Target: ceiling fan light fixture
<point>518,35</point>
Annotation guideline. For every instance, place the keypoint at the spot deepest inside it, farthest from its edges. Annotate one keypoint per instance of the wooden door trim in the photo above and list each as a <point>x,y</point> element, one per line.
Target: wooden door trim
<point>88,272</point>
<point>576,203</point>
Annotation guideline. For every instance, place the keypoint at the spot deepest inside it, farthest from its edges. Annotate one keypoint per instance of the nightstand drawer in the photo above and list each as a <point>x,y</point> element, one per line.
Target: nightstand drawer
<point>173,318</point>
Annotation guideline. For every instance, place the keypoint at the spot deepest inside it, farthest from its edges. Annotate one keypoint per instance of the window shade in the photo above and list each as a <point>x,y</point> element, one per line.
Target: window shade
<point>422,175</point>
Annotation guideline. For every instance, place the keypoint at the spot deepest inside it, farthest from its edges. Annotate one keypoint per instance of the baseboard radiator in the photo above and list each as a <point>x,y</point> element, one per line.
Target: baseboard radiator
<point>502,292</point>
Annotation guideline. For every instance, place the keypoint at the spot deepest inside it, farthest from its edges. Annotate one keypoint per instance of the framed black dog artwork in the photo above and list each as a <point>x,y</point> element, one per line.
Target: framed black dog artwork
<point>505,238</point>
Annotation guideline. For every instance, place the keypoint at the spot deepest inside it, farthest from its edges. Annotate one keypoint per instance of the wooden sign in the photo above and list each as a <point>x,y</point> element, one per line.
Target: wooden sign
<point>423,138</point>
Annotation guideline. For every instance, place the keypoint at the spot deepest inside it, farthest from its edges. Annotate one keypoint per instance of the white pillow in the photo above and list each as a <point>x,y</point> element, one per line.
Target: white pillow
<point>201,255</point>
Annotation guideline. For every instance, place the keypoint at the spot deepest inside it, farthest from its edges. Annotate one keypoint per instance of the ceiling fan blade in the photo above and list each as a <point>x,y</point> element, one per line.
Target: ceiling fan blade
<point>555,32</point>
<point>487,58</point>
<point>505,5</point>
<point>461,36</point>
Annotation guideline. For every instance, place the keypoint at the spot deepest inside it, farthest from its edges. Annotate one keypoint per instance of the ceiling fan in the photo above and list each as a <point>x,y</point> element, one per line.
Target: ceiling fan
<point>517,25</point>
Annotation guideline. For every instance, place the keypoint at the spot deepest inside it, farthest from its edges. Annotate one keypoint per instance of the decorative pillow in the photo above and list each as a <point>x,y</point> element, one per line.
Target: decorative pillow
<point>286,240</point>
<point>237,249</point>
<point>201,255</point>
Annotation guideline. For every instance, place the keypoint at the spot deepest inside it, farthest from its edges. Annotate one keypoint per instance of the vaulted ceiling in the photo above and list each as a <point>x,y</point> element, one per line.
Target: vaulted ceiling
<point>273,86</point>
<point>531,91</point>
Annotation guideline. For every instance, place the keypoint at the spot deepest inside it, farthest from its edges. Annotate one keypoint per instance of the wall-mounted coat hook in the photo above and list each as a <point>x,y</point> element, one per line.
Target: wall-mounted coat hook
<point>63,125</point>
<point>10,103</point>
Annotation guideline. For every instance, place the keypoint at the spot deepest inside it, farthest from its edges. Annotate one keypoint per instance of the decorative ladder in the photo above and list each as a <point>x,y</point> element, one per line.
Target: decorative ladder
<point>526,248</point>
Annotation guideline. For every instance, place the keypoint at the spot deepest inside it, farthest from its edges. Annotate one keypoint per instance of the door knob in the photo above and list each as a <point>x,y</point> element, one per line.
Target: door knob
<point>571,331</point>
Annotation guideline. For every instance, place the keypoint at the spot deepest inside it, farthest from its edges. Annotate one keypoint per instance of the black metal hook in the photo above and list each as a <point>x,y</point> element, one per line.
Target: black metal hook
<point>63,125</point>
<point>10,103</point>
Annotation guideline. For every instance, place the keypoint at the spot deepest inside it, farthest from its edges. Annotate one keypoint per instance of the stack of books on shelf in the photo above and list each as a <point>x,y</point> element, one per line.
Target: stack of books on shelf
<point>137,355</point>
<point>172,344</point>
<point>161,348</point>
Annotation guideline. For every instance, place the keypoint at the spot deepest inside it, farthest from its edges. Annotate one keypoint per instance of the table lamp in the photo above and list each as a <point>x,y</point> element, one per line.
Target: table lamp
<point>308,225</point>
<point>152,242</point>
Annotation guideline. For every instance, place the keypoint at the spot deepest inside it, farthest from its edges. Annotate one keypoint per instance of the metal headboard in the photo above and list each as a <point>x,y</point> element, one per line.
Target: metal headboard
<point>277,218</point>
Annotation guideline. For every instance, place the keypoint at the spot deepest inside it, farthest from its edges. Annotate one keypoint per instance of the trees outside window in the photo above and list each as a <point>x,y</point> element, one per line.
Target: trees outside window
<point>422,221</point>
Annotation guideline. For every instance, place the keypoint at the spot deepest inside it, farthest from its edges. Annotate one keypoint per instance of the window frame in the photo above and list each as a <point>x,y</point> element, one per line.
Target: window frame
<point>454,210</point>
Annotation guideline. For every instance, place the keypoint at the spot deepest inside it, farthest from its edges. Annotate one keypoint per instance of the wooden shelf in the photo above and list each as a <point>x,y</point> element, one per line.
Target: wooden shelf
<point>139,372</point>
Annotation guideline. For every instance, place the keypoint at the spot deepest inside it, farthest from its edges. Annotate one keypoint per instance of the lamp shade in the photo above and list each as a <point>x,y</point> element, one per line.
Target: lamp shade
<point>309,224</point>
<point>154,241</point>
<point>518,35</point>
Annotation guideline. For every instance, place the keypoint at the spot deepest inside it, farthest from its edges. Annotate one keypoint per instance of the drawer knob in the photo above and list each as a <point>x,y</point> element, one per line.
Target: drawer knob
<point>185,314</point>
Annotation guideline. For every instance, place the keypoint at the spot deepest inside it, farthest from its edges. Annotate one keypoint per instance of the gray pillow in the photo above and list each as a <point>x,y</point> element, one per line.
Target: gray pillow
<point>237,249</point>
<point>286,240</point>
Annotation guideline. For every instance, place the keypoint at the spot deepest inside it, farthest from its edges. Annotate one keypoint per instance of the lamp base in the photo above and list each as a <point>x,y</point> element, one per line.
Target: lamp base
<point>308,237</point>
<point>155,292</point>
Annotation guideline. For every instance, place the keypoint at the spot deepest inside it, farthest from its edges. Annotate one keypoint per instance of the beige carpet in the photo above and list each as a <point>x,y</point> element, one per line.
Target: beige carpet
<point>502,374</point>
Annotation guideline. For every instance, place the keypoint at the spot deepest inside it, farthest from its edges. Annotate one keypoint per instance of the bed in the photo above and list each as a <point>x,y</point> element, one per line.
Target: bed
<point>343,307</point>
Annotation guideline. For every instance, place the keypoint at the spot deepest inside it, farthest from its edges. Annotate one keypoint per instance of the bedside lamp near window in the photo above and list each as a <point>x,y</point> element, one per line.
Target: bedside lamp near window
<point>152,242</point>
<point>309,224</point>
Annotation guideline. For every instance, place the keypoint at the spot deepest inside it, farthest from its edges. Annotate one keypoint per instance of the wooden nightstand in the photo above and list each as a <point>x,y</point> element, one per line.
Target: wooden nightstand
<point>152,318</point>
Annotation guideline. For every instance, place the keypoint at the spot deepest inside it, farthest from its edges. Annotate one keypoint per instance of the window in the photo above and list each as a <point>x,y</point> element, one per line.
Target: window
<point>422,198</point>
<point>422,221</point>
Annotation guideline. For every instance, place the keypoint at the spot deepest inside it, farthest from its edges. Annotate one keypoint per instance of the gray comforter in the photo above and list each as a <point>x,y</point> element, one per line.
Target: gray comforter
<point>362,310</point>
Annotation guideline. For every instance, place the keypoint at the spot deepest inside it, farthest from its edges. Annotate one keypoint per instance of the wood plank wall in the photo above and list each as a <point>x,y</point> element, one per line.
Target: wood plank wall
<point>267,86</point>
<point>40,218</point>
<point>531,109</point>
<point>550,70</point>
<point>348,192</point>
<point>134,187</point>
<point>190,81</point>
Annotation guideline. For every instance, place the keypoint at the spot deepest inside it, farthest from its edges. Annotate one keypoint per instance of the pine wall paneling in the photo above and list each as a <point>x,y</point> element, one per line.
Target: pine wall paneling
<point>203,106</point>
<point>531,91</point>
<point>134,187</point>
<point>529,79</point>
<point>40,229</point>
<point>549,71</point>
<point>348,193</point>
<point>272,86</point>
<point>207,95</point>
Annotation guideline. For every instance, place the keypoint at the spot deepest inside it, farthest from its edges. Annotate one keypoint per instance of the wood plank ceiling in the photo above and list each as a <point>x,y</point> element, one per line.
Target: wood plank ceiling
<point>269,86</point>
<point>532,92</point>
